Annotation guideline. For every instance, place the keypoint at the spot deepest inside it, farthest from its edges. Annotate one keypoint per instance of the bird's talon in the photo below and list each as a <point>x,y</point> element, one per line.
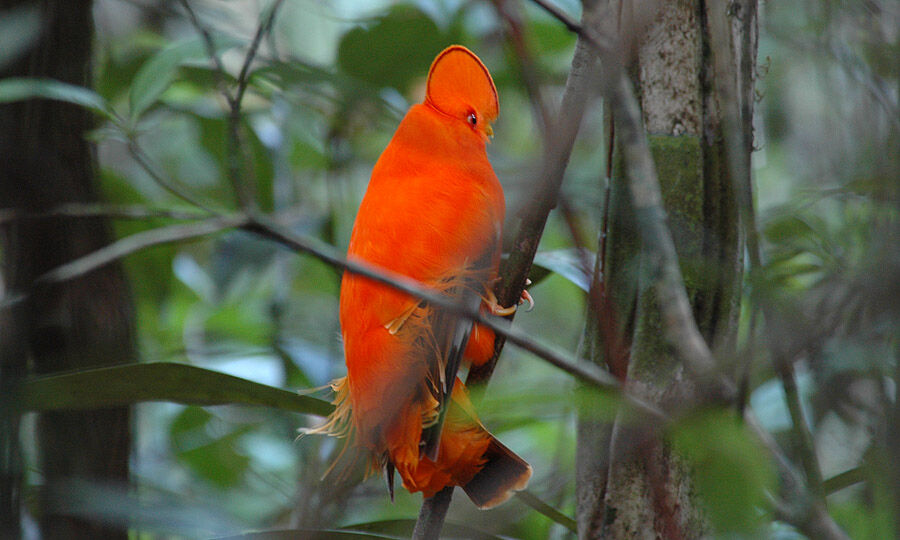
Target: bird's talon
<point>497,309</point>
<point>526,297</point>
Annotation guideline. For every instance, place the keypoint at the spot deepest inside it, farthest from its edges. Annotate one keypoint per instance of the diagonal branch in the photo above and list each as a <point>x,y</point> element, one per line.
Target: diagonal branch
<point>126,246</point>
<point>220,70</point>
<point>93,210</point>
<point>272,230</point>
<point>264,28</point>
<point>175,189</point>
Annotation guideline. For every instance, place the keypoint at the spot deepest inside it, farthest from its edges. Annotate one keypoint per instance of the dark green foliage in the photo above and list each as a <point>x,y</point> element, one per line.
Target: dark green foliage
<point>394,49</point>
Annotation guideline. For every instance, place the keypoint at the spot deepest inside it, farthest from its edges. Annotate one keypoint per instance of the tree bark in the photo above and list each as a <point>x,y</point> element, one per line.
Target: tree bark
<point>648,492</point>
<point>82,323</point>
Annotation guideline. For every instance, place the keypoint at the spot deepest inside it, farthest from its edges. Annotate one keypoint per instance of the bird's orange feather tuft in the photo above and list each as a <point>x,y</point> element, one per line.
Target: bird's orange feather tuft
<point>459,84</point>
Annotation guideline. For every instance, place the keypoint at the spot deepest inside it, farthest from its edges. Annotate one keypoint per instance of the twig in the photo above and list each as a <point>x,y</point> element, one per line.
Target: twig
<point>263,29</point>
<point>800,510</point>
<point>136,242</point>
<point>844,480</point>
<point>510,13</point>
<point>93,210</point>
<point>237,156</point>
<point>235,153</point>
<point>270,229</point>
<point>138,154</point>
<point>121,248</point>
<point>211,51</point>
<point>528,499</point>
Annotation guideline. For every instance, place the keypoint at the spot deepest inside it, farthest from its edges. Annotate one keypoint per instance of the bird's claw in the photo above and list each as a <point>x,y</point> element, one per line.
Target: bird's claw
<point>526,297</point>
<point>494,306</point>
<point>496,309</point>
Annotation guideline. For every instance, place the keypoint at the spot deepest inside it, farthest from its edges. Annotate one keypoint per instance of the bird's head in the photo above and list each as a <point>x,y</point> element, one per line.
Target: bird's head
<point>460,86</point>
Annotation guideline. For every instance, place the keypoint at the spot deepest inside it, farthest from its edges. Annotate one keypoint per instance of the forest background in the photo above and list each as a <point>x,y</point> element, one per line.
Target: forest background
<point>180,179</point>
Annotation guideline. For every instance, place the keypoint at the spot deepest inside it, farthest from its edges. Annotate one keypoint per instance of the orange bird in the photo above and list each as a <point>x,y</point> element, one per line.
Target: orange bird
<point>433,211</point>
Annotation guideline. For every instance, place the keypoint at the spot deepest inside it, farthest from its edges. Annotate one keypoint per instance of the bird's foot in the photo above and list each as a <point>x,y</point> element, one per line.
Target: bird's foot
<point>496,309</point>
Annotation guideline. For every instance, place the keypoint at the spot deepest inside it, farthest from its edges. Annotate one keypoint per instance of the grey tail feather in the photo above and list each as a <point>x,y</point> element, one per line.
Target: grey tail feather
<point>431,437</point>
<point>389,476</point>
<point>502,474</point>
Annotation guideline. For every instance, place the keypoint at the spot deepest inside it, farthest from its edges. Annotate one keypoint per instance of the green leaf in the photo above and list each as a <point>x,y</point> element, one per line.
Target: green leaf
<point>18,89</point>
<point>157,73</point>
<point>394,51</point>
<point>160,381</point>
<point>549,36</point>
<point>218,461</point>
<point>569,263</point>
<point>730,470</point>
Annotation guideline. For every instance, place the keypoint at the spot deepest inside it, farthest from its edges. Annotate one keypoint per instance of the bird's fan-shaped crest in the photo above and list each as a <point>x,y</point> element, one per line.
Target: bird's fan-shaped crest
<point>458,82</point>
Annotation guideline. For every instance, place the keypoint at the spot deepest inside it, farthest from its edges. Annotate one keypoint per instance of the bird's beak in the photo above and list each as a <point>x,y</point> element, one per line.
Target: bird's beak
<point>489,130</point>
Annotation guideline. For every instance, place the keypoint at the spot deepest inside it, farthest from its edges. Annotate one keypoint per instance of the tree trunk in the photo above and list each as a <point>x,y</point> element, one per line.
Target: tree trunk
<point>647,491</point>
<point>81,323</point>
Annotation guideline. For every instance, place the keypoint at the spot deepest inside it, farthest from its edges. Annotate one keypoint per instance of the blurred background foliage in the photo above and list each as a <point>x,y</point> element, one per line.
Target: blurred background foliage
<point>330,83</point>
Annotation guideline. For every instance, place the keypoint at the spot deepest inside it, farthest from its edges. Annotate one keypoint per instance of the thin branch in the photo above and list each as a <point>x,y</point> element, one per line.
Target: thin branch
<point>137,242</point>
<point>799,509</point>
<point>529,499</point>
<point>263,29</point>
<point>94,210</point>
<point>220,70</point>
<point>124,247</point>
<point>237,155</point>
<point>844,480</point>
<point>138,154</point>
<point>590,374</point>
<point>270,229</point>
<point>510,13</point>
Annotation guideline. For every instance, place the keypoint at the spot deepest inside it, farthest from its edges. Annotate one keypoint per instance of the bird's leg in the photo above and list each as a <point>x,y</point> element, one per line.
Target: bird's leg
<point>490,299</point>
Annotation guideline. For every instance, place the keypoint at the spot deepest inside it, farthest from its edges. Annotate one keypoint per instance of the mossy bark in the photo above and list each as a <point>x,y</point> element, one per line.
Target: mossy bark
<point>648,492</point>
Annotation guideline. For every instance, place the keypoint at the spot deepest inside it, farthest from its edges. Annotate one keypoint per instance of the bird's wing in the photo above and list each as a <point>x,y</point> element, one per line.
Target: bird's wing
<point>451,335</point>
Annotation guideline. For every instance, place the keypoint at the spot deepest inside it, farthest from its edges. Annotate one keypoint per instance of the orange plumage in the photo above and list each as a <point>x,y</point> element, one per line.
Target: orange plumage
<point>433,211</point>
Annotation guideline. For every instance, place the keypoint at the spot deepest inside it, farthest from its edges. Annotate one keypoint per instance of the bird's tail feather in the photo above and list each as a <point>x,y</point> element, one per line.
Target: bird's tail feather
<point>502,474</point>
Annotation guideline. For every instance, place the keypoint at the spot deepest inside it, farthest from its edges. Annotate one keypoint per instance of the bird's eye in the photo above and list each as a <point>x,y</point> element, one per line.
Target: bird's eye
<point>472,119</point>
